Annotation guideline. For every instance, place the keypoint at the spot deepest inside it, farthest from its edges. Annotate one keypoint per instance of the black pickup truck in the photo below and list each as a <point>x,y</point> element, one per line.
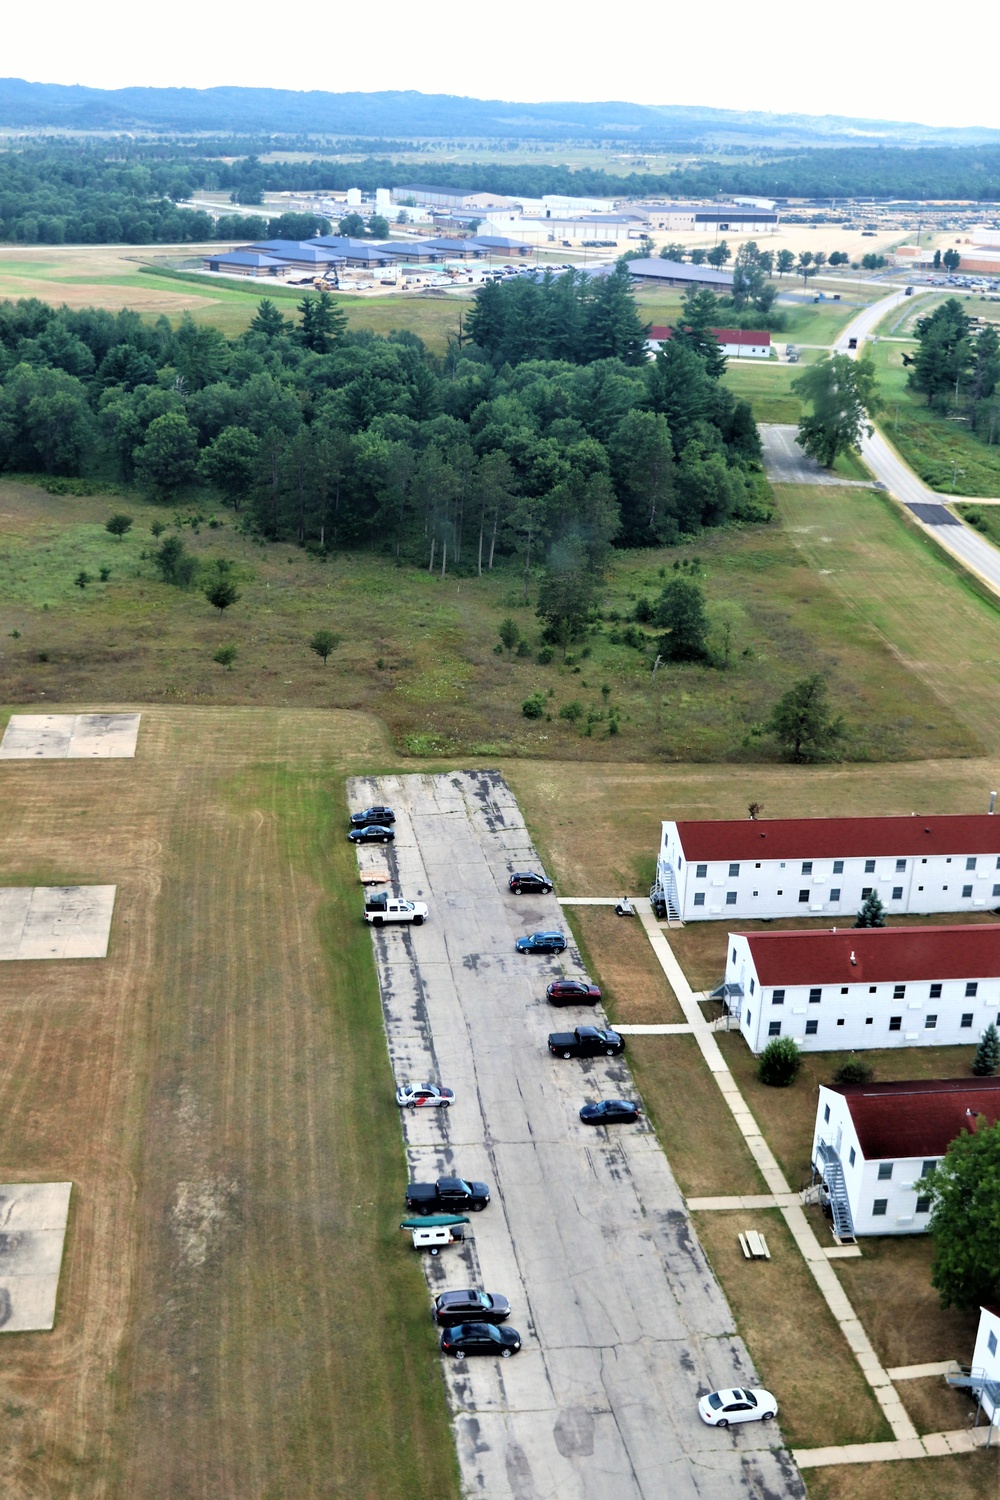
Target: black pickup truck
<point>586,1041</point>
<point>449,1195</point>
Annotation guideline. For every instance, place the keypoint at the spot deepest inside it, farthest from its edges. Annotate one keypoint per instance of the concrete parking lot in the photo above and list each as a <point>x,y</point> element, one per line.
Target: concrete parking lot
<point>623,1323</point>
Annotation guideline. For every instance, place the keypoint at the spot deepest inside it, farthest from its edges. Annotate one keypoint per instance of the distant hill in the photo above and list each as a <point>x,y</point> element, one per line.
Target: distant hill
<point>252,111</point>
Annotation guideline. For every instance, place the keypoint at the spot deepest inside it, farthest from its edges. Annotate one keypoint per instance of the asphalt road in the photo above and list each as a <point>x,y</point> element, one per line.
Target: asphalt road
<point>925,505</point>
<point>786,463</point>
<point>623,1323</point>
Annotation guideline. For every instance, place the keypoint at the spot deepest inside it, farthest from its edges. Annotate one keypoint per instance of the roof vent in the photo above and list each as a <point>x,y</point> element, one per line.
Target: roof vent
<point>853,959</point>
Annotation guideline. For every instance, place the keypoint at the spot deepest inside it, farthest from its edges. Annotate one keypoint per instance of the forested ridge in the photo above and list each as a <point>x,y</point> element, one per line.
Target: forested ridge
<point>336,440</point>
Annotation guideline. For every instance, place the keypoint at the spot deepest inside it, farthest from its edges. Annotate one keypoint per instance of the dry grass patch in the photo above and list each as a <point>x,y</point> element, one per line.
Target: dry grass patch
<point>634,986</point>
<point>795,1343</point>
<point>890,1289</point>
<point>707,1154</point>
<point>936,1406</point>
<point>970,1476</point>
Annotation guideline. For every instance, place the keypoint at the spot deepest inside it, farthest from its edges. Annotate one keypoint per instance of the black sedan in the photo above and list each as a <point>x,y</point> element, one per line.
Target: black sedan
<point>480,1338</point>
<point>610,1112</point>
<point>528,881</point>
<point>382,815</point>
<point>372,833</point>
<point>452,1308</point>
<point>541,942</point>
<point>572,992</point>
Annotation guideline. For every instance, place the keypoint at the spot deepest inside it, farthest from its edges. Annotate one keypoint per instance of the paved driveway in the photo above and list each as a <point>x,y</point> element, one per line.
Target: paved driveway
<point>786,463</point>
<point>623,1322</point>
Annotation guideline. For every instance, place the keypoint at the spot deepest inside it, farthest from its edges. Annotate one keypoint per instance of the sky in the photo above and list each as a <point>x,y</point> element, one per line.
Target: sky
<point>855,59</point>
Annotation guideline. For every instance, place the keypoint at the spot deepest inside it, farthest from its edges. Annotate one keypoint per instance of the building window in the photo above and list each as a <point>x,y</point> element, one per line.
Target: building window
<point>897,893</point>
<point>807,867</point>
<point>781,893</point>
<point>880,1208</point>
<point>872,988</point>
<point>869,867</point>
<point>699,898</point>
<point>756,893</point>
<point>895,1023</point>
<point>866,891</point>
<point>885,1171</point>
<point>935,992</point>
<point>811,1028</point>
<point>852,1158</point>
<point>700,872</point>
<point>970,863</point>
<point>838,867</point>
<point>844,990</point>
<point>826,1114</point>
<point>730,898</point>
<point>924,1203</point>
<point>803,895</point>
<point>900,866</point>
<point>898,991</point>
<point>996,890</point>
<point>972,989</point>
<point>869,1020</point>
<point>966,891</point>
<point>931,1023</point>
<point>966,1024</point>
<point>928,1167</point>
<point>815,996</point>
<point>991,1343</point>
<point>835,893</point>
<point>733,870</point>
<point>841,1021</point>
<point>752,984</point>
<point>778,997</point>
<point>734,955</point>
<point>774,1028</point>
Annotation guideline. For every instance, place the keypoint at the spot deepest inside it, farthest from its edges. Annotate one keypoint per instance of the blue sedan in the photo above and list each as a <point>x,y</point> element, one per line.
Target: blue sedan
<point>541,942</point>
<point>610,1112</point>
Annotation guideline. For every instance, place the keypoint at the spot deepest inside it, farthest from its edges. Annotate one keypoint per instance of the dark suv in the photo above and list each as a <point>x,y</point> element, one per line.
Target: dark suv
<point>470,1307</point>
<point>383,815</point>
<point>528,880</point>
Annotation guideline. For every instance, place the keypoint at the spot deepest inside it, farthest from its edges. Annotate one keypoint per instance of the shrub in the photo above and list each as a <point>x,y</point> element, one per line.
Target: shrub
<point>854,1070</point>
<point>534,707</point>
<point>572,711</point>
<point>987,1058</point>
<point>523,649</point>
<point>544,656</point>
<point>779,1062</point>
<point>633,636</point>
<point>643,612</point>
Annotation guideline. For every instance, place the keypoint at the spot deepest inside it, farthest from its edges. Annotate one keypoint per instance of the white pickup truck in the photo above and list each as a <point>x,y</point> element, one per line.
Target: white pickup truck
<point>386,908</point>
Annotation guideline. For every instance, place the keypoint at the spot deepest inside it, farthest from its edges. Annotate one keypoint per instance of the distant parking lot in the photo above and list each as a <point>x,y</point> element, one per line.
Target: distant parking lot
<point>623,1323</point>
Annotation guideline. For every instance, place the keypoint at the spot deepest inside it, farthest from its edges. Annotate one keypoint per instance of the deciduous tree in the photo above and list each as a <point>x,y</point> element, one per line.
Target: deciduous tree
<point>965,1218</point>
<point>118,524</point>
<point>803,722</point>
<point>843,394</point>
<point>681,615</point>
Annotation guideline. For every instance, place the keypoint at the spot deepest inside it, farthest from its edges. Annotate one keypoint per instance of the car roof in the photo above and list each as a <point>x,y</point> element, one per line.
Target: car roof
<point>468,1295</point>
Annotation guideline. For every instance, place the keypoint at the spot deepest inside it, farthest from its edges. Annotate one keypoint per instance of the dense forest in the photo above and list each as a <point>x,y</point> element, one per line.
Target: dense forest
<point>339,440</point>
<point>128,192</point>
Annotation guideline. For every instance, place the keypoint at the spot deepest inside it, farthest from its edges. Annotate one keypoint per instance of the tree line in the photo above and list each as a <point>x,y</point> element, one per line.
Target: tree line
<point>333,439</point>
<point>957,366</point>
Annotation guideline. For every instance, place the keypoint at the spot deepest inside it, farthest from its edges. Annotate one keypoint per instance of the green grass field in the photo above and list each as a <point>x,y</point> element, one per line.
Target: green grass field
<point>421,653</point>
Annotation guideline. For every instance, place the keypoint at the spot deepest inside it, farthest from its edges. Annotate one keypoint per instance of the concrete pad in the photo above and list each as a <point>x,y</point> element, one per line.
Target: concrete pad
<point>919,1372</point>
<point>32,1230</point>
<point>58,921</point>
<point>843,1252</point>
<point>70,736</point>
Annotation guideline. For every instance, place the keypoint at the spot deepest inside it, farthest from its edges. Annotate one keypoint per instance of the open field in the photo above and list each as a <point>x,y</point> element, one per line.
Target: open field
<point>944,452</point>
<point>767,386</point>
<point>237,1169</point>
<point>424,660</point>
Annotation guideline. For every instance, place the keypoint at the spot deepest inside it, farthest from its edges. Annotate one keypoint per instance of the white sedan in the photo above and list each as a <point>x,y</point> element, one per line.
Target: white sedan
<point>423,1096</point>
<point>721,1408</point>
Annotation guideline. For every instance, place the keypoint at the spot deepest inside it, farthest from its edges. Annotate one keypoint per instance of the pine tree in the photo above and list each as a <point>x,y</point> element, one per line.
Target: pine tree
<point>987,1058</point>
<point>872,913</point>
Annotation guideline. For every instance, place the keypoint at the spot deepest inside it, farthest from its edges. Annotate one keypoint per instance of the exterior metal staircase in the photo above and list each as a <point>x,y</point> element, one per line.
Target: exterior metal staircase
<point>663,899</point>
<point>833,1176</point>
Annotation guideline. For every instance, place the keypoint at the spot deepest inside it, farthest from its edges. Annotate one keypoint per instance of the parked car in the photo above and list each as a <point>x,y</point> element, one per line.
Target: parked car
<point>480,1338</point>
<point>452,1308</point>
<point>572,992</point>
<point>383,815</point>
<point>527,880</point>
<point>586,1041</point>
<point>449,1195</point>
<point>721,1408</point>
<point>372,833</point>
<point>423,1096</point>
<point>541,942</point>
<point>610,1112</point>
<point>382,908</point>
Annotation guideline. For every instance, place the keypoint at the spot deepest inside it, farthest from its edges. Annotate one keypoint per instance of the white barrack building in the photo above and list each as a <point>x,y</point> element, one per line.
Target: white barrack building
<point>800,867</point>
<point>865,987</point>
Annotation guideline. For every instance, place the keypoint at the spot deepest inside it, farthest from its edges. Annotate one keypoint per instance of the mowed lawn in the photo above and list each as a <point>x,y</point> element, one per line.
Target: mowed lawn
<point>239,1315</point>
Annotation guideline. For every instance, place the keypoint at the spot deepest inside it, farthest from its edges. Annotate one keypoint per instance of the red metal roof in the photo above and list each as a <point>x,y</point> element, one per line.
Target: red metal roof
<point>882,955</point>
<point>742,336</point>
<point>840,838</point>
<point>895,1120</point>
